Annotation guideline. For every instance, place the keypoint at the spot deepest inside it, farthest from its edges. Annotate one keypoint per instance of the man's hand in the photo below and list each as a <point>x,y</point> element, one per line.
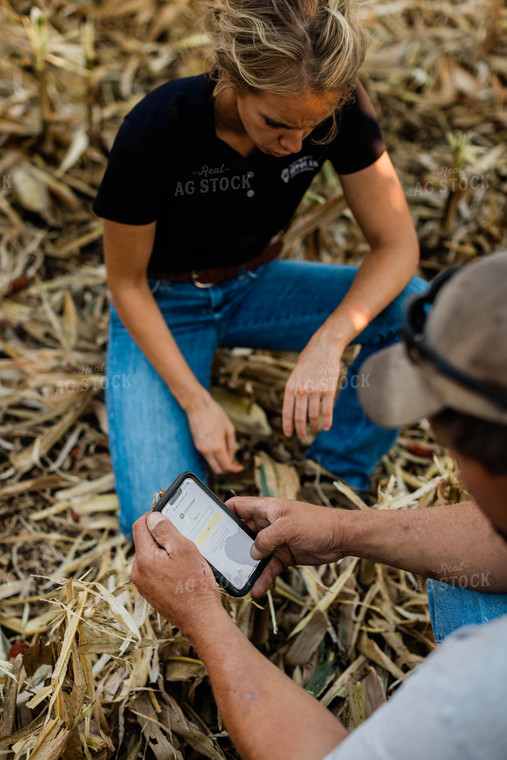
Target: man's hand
<point>295,532</point>
<point>171,574</point>
<point>213,434</point>
<point>312,384</point>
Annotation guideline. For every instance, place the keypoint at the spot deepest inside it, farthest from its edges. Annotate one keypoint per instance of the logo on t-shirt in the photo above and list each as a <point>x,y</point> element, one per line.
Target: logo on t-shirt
<point>213,179</point>
<point>303,164</point>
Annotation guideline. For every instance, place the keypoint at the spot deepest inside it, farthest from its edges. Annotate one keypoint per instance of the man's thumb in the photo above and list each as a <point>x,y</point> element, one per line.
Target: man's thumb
<point>266,541</point>
<point>159,527</point>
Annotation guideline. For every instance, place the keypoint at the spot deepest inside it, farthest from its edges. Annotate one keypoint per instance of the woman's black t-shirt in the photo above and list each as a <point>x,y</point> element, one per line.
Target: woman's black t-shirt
<point>214,207</point>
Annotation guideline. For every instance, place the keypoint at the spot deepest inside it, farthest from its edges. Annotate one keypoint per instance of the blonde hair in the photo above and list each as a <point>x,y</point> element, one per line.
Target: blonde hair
<point>286,47</point>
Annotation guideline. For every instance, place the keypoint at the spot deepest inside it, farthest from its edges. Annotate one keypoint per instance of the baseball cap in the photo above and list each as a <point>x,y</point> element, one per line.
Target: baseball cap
<point>465,327</point>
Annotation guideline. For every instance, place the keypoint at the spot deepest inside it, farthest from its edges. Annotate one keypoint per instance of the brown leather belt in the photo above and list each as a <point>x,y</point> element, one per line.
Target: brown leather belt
<point>205,278</point>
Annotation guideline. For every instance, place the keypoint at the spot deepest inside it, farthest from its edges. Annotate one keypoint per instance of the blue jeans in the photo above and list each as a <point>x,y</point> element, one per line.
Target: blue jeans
<point>279,306</point>
<point>452,607</point>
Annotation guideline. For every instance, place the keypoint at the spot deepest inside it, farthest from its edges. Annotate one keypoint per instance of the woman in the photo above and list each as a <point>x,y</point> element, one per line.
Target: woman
<point>204,172</point>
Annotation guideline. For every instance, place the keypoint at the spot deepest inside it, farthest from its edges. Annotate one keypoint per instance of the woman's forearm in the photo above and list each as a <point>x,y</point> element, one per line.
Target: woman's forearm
<point>381,278</point>
<point>143,320</point>
<point>375,197</point>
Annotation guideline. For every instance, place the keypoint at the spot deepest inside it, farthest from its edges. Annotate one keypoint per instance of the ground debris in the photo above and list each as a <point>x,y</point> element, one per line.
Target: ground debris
<point>86,668</point>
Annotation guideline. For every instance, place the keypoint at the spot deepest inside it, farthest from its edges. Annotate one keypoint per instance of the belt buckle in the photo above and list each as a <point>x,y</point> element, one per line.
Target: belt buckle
<point>196,282</point>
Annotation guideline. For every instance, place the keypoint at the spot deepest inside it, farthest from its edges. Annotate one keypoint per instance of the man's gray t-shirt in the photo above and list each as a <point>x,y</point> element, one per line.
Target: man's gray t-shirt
<point>453,708</point>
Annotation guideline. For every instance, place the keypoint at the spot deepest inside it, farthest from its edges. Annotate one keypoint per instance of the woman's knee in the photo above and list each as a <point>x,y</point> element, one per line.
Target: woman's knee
<point>416,286</point>
<point>139,487</point>
<point>396,308</point>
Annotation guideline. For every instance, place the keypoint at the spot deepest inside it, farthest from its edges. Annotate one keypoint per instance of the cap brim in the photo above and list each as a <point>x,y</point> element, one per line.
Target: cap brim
<point>393,391</point>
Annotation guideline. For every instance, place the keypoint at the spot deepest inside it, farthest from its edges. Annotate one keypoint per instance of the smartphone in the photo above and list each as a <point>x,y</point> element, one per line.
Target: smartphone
<point>222,538</point>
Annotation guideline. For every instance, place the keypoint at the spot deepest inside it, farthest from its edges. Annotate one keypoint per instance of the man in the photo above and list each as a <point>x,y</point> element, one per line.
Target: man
<point>452,368</point>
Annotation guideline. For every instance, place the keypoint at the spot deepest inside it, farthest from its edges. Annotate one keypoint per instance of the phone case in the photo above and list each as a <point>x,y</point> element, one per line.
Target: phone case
<point>221,580</point>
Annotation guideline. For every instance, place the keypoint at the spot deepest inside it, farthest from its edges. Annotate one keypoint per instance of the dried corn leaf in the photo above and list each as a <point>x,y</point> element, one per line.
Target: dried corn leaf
<point>432,71</point>
<point>246,416</point>
<point>307,642</point>
<point>30,192</point>
<point>371,649</point>
<point>274,479</point>
<point>329,597</point>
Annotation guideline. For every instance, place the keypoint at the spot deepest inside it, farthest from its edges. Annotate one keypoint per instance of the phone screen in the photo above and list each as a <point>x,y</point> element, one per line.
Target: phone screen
<point>219,538</point>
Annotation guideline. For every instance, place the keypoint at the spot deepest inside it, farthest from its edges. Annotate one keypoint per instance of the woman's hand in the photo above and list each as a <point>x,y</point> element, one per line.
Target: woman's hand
<point>294,532</point>
<point>172,575</point>
<point>213,434</point>
<point>312,385</point>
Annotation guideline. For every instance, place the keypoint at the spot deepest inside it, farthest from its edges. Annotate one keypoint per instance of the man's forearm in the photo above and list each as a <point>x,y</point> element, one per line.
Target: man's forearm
<point>454,544</point>
<point>267,715</point>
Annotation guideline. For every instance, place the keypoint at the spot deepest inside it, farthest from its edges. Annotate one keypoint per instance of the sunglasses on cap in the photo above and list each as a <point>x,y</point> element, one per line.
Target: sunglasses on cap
<point>419,350</point>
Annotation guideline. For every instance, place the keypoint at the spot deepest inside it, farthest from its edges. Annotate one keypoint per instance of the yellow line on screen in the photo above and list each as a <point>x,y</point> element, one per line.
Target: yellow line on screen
<point>216,517</point>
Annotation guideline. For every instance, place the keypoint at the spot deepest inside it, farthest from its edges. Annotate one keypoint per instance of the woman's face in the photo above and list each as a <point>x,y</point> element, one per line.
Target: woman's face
<point>278,124</point>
